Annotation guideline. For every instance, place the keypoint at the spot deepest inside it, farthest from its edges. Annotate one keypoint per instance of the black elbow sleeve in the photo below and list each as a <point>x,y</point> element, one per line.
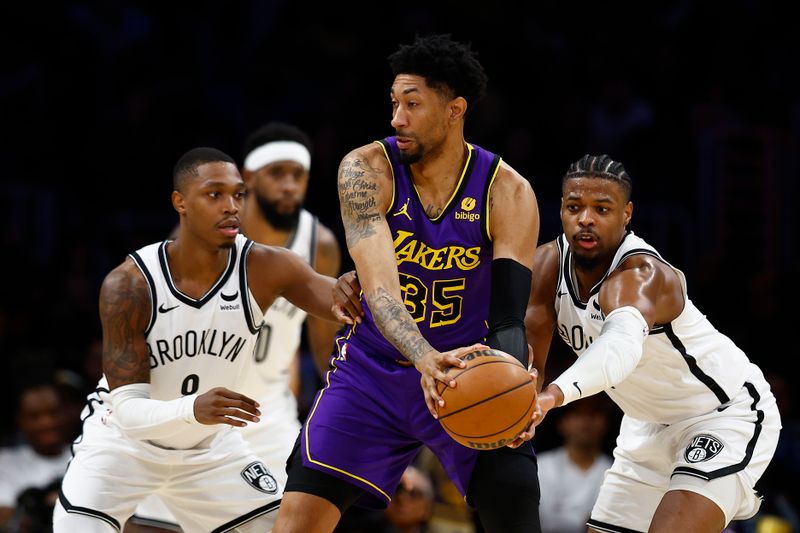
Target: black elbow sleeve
<point>511,288</point>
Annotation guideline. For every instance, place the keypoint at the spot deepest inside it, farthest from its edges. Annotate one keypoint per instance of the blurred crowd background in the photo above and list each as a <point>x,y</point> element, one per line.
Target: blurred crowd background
<point>98,100</point>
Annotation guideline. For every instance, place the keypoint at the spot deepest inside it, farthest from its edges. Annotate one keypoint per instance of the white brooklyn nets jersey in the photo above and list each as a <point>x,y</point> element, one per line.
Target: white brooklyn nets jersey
<point>198,344</point>
<point>687,366</point>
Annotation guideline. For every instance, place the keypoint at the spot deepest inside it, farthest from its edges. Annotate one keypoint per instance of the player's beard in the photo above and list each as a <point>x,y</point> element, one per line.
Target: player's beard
<point>587,262</point>
<point>283,221</point>
<point>409,158</point>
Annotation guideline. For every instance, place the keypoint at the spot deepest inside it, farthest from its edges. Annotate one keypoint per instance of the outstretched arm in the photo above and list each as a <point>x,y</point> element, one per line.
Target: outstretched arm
<point>641,292</point>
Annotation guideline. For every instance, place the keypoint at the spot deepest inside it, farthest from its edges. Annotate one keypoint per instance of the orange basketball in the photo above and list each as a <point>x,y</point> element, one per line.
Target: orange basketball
<point>493,400</point>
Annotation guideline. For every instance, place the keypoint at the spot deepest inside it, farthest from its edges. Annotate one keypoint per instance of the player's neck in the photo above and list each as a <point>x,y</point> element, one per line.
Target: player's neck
<point>587,277</point>
<point>195,267</point>
<point>256,227</point>
<point>438,172</point>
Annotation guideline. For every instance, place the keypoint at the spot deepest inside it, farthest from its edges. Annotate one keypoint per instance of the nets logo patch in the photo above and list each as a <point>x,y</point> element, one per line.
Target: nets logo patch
<point>702,448</point>
<point>260,478</point>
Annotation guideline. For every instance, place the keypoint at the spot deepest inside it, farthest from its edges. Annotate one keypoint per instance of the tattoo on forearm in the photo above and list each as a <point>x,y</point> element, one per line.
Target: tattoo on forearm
<point>358,193</point>
<point>122,310</point>
<point>396,325</point>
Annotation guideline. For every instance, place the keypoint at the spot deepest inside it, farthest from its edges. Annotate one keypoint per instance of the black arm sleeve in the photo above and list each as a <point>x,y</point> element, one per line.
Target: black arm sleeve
<point>511,288</point>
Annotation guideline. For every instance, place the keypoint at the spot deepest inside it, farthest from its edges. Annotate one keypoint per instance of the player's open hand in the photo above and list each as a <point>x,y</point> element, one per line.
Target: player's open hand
<point>346,300</point>
<point>433,367</point>
<point>223,406</point>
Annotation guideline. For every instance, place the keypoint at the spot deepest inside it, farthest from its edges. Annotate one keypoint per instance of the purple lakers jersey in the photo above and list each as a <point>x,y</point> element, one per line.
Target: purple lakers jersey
<point>444,262</point>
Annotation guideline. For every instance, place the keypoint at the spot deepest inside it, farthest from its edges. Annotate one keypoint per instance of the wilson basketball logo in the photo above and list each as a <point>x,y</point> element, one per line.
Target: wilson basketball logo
<point>260,478</point>
<point>702,448</point>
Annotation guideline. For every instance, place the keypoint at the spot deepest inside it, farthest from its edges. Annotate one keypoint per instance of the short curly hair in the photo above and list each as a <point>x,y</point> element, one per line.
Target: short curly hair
<point>447,65</point>
<point>600,166</point>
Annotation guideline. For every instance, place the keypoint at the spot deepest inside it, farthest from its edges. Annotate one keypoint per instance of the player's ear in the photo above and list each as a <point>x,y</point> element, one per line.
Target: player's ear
<point>628,212</point>
<point>457,107</point>
<point>179,202</point>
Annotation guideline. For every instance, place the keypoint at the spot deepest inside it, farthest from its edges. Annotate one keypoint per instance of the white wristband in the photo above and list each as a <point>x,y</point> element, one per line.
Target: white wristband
<point>610,358</point>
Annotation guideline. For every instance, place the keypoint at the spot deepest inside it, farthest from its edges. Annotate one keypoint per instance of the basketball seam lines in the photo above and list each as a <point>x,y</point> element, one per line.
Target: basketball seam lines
<point>486,400</point>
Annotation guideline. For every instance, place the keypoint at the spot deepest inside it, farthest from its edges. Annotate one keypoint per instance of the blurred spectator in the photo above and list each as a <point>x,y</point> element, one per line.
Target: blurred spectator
<point>450,513</point>
<point>412,504</point>
<point>570,475</point>
<point>408,512</point>
<point>31,470</point>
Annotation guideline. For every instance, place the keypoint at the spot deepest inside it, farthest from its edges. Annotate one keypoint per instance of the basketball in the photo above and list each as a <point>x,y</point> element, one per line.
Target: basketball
<point>492,402</point>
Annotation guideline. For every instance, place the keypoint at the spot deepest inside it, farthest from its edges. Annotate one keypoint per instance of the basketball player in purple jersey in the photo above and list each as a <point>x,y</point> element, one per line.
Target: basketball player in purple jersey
<point>442,234</point>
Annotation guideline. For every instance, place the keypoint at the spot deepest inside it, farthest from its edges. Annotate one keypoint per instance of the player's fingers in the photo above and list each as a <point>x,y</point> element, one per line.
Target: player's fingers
<point>353,306</point>
<point>244,406</point>
<point>232,413</point>
<point>341,314</point>
<point>429,401</point>
<point>349,301</point>
<point>538,415</point>
<point>528,434</point>
<point>231,421</point>
<point>451,360</point>
<point>354,302</point>
<point>458,352</point>
<point>433,390</point>
<point>515,443</point>
<point>444,377</point>
<point>233,395</point>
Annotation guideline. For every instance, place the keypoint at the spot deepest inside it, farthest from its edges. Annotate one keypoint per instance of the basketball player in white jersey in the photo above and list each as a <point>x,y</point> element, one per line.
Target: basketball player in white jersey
<point>700,423</point>
<point>276,166</point>
<point>180,322</point>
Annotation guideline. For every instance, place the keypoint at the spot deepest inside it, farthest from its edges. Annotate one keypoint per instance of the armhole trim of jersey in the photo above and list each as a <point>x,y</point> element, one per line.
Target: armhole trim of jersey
<point>560,245</point>
<point>151,286</point>
<point>492,174</point>
<point>386,151</point>
<point>244,288</point>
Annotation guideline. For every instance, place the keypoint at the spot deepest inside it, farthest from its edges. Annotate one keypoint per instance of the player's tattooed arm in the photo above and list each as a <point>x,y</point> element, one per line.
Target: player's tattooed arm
<point>359,197</point>
<point>125,311</point>
<point>397,326</point>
